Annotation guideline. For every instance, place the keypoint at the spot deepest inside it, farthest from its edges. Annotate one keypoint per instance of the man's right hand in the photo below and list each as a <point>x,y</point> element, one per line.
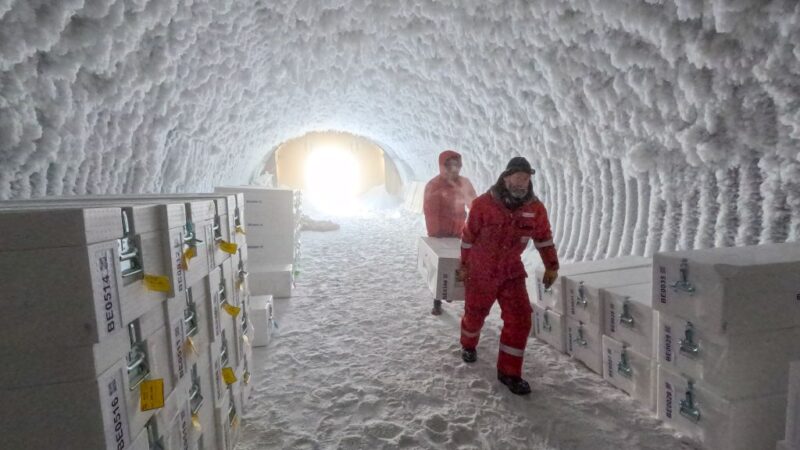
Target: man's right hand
<point>549,278</point>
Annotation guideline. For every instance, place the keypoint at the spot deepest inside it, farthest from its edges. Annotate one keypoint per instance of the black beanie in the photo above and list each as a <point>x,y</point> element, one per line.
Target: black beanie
<point>518,164</point>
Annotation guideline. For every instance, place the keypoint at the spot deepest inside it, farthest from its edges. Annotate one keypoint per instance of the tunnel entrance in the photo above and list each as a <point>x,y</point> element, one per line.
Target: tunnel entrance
<point>333,169</point>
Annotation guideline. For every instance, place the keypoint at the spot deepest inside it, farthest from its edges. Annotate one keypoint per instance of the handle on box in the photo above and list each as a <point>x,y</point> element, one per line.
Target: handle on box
<point>688,408</point>
<point>684,284</point>
<point>624,368</point>
<point>626,318</point>
<point>582,296</point>
<point>687,345</point>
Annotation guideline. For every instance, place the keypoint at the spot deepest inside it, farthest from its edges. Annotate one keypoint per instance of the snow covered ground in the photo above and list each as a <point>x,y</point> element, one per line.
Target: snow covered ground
<point>359,363</point>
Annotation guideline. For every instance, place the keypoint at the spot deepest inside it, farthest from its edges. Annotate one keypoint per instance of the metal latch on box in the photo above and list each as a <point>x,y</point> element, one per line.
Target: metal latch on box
<point>138,367</point>
<point>624,367</point>
<point>155,441</point>
<point>190,238</point>
<point>582,295</point>
<point>231,407</point>
<point>581,340</point>
<point>195,393</point>
<point>688,408</point>
<point>190,314</point>
<point>684,284</point>
<point>546,321</point>
<point>626,318</point>
<point>242,272</point>
<point>687,345</point>
<point>129,254</point>
<point>223,351</point>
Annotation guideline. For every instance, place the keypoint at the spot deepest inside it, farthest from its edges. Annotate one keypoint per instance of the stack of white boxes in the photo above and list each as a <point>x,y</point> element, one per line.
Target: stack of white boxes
<point>550,305</point>
<point>273,234</point>
<point>107,297</point>
<point>728,326</point>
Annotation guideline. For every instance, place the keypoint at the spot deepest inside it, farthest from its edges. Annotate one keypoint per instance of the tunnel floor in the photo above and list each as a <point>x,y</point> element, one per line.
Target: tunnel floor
<point>358,362</point>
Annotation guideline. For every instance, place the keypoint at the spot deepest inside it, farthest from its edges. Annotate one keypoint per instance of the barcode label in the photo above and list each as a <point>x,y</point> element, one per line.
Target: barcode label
<point>107,306</point>
<point>115,412</point>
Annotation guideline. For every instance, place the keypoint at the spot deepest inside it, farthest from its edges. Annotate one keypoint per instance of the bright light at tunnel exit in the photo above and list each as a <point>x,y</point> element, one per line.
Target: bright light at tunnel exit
<point>332,180</point>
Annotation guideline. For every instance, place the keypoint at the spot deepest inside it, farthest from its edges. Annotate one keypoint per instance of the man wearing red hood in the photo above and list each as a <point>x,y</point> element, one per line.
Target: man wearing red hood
<point>447,196</point>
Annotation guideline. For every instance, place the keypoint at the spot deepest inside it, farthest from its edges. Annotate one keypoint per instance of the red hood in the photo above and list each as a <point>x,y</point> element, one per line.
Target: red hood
<point>444,156</point>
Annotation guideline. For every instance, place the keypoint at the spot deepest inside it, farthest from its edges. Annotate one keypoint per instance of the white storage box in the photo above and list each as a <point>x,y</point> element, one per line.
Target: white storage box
<point>736,366</point>
<point>630,371</point>
<point>716,422</point>
<point>550,327</point>
<point>792,434</point>
<point>584,301</point>
<point>585,343</point>
<point>629,317</point>
<point>261,314</point>
<point>437,261</point>
<point>277,281</point>
<point>724,289</point>
<point>270,223</point>
<point>41,363</point>
<point>555,296</point>
<point>88,414</point>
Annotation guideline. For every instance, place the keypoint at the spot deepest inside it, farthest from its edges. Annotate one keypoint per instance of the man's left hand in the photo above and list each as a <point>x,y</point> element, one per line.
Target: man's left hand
<point>549,278</point>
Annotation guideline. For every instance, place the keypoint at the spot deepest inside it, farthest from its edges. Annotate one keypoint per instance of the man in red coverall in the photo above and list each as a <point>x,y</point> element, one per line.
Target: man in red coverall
<point>500,225</point>
<point>446,197</point>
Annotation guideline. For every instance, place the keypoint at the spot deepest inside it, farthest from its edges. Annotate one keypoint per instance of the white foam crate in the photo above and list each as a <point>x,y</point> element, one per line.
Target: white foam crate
<point>630,371</point>
<point>262,316</point>
<point>737,366</point>
<point>89,414</point>
<point>629,317</point>
<point>723,289</point>
<point>555,296</point>
<point>584,301</point>
<point>277,281</point>
<point>792,434</point>
<point>41,363</point>
<point>584,343</point>
<point>717,422</point>
<point>549,326</point>
<point>437,261</point>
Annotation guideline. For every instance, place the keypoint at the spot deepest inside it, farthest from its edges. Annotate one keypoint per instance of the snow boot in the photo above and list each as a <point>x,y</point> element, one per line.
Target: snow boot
<point>469,355</point>
<point>437,308</point>
<point>515,384</point>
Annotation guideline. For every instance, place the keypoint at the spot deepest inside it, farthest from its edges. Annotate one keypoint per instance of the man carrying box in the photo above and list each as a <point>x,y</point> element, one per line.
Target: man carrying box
<point>447,196</point>
<point>501,223</point>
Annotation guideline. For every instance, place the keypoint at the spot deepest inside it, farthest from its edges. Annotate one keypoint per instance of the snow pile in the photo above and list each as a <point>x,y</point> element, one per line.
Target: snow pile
<point>654,125</point>
<point>362,364</point>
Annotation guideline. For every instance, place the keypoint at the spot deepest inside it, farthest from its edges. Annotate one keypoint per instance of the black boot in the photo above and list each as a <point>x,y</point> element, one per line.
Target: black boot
<point>437,308</point>
<point>515,384</point>
<point>469,355</point>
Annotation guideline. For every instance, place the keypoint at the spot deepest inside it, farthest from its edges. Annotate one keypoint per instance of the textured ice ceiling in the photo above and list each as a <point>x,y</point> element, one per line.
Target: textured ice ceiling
<point>654,124</point>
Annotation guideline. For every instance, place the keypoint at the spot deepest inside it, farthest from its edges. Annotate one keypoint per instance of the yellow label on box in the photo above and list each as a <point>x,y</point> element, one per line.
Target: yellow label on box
<point>151,394</point>
<point>157,283</point>
<point>196,423</point>
<point>228,375</point>
<point>190,346</point>
<point>228,247</point>
<point>230,309</point>
<point>240,230</point>
<point>188,254</point>
<point>235,422</point>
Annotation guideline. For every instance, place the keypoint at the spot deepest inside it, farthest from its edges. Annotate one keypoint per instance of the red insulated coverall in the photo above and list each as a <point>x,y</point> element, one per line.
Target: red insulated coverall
<point>491,249</point>
<point>445,201</point>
